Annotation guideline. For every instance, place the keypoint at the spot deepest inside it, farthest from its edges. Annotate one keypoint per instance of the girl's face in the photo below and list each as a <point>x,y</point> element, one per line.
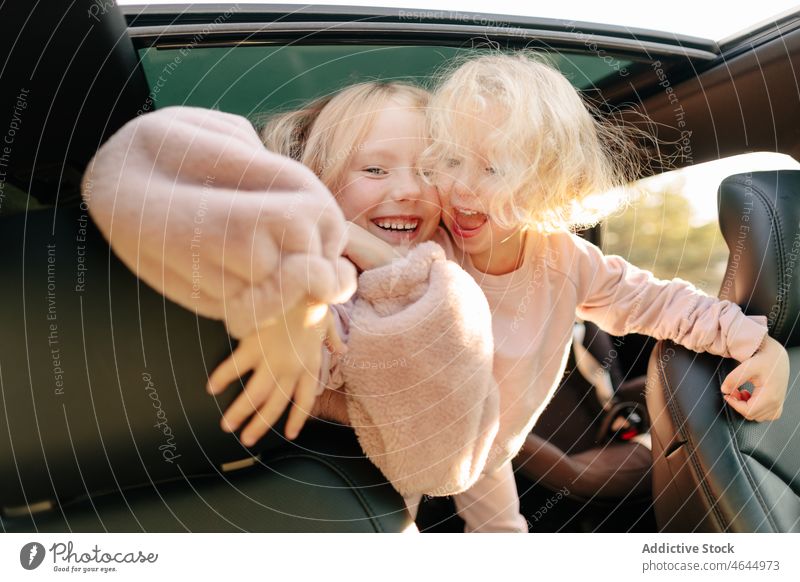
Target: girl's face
<point>383,190</point>
<point>466,185</point>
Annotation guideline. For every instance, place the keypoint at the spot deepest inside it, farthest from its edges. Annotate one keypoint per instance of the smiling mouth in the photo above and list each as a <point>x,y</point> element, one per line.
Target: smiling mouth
<point>398,224</point>
<point>397,230</point>
<point>468,222</point>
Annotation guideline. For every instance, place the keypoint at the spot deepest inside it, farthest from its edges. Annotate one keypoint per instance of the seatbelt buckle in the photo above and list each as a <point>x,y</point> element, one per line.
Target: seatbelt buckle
<point>623,422</point>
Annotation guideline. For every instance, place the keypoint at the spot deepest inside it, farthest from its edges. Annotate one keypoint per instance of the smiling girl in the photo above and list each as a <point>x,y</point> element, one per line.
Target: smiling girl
<point>520,164</point>
<point>417,365</point>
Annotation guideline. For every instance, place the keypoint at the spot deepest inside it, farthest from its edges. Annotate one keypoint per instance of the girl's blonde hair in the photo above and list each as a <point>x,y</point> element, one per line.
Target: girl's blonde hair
<point>551,155</point>
<point>326,133</point>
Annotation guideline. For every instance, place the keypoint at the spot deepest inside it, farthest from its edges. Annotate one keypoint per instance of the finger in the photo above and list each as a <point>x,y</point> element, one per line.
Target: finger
<point>333,341</point>
<point>257,391</point>
<point>312,274</point>
<point>762,406</point>
<point>346,243</point>
<point>316,314</point>
<point>346,280</point>
<point>254,430</point>
<point>301,235</point>
<point>736,395</point>
<point>234,367</point>
<point>738,376</point>
<point>304,398</point>
<point>282,173</point>
<point>334,230</point>
<point>739,406</point>
<point>267,415</point>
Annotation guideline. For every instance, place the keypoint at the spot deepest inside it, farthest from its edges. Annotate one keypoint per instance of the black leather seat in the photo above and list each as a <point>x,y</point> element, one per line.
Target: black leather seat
<point>714,471</point>
<point>104,421</point>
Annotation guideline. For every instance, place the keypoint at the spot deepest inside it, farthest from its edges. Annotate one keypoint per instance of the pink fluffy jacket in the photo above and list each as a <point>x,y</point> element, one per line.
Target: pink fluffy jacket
<point>191,201</point>
<point>418,379</point>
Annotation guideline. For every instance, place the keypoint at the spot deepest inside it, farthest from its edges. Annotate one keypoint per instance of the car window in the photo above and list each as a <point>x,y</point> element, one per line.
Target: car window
<point>706,20</point>
<point>671,228</point>
<point>248,80</point>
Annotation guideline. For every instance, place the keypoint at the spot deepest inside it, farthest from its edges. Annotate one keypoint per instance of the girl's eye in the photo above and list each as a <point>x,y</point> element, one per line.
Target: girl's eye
<point>490,170</point>
<point>425,172</point>
<point>452,162</point>
<point>375,171</point>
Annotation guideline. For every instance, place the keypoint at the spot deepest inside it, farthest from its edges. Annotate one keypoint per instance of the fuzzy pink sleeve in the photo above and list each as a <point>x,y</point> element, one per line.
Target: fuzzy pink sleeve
<point>192,202</point>
<point>418,374</point>
<point>330,403</point>
<point>622,299</point>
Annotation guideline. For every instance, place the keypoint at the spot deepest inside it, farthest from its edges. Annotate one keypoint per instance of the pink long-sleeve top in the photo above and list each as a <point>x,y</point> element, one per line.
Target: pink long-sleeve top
<point>563,276</point>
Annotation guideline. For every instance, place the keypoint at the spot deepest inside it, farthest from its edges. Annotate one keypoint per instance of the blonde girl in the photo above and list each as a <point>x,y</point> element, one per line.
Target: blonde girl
<point>185,186</point>
<point>331,137</point>
<point>417,372</point>
<point>520,162</point>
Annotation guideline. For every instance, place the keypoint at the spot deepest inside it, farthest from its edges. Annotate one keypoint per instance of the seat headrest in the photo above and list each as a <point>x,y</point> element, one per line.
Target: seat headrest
<point>759,216</point>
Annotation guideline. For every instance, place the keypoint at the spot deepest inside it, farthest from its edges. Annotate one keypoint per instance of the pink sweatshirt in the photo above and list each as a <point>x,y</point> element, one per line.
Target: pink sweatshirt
<point>564,276</point>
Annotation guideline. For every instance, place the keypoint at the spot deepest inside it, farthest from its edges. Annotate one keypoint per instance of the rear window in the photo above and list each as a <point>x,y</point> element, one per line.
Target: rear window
<point>671,227</point>
<point>248,80</point>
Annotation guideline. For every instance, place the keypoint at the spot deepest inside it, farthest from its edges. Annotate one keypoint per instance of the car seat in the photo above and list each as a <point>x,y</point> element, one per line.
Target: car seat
<point>105,424</point>
<point>591,440</point>
<point>713,470</point>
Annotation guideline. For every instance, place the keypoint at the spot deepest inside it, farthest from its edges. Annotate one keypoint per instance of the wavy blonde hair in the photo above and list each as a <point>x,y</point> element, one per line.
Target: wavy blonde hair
<point>552,151</point>
<point>326,133</point>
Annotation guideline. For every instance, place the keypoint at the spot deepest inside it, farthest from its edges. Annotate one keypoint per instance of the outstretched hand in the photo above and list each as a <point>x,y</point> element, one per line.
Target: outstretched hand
<point>768,371</point>
<point>285,356</point>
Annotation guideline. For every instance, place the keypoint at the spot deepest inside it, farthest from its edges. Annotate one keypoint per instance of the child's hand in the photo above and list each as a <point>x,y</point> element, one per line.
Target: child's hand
<point>366,251</point>
<point>285,357</point>
<point>768,371</point>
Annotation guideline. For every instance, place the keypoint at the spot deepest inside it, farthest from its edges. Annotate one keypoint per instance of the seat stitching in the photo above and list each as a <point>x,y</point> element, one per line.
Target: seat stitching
<point>745,468</point>
<point>692,458</point>
<point>775,224</point>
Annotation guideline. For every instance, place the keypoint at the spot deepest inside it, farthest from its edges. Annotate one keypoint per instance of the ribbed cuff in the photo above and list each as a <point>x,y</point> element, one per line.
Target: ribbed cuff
<point>746,336</point>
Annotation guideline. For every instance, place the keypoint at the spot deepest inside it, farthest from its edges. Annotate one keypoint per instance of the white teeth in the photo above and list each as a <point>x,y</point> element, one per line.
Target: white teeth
<point>397,225</point>
<point>467,212</point>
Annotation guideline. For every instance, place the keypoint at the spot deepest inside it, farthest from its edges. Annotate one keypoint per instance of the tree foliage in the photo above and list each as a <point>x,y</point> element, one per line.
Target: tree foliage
<point>656,233</point>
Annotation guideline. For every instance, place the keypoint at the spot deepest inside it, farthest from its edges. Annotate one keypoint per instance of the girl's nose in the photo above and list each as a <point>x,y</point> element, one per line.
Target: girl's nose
<point>407,186</point>
<point>461,188</point>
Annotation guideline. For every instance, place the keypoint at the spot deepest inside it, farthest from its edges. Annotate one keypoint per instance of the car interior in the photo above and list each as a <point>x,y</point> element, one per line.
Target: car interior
<point>713,471</point>
<point>105,425</point>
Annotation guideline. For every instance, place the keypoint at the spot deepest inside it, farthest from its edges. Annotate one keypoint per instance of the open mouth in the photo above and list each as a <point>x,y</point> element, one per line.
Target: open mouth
<point>467,222</point>
<point>397,228</point>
